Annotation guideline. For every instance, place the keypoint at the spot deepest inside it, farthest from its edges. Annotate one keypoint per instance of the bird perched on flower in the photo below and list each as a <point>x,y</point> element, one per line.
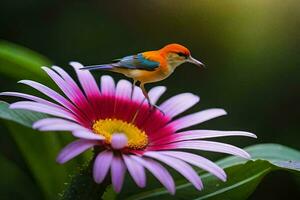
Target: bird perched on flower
<point>150,66</point>
<point>101,117</point>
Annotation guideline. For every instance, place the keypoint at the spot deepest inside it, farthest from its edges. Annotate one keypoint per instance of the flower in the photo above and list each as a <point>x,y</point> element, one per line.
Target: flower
<point>131,135</point>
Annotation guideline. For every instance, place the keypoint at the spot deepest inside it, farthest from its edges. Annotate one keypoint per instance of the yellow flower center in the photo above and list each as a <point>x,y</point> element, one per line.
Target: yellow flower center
<point>136,138</point>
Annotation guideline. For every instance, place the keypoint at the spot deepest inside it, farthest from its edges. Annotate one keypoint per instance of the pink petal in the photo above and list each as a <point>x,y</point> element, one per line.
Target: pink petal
<point>206,146</point>
<point>136,170</point>
<point>71,90</point>
<point>70,81</point>
<point>178,104</point>
<point>123,89</point>
<point>158,171</point>
<point>56,124</point>
<point>101,165</point>
<point>118,141</point>
<point>61,84</point>
<point>31,97</point>
<point>50,93</point>
<point>107,85</point>
<point>200,134</point>
<point>88,135</point>
<point>38,107</point>
<point>138,95</point>
<point>186,170</point>
<point>74,149</point>
<point>156,92</point>
<point>118,170</point>
<point>198,161</point>
<point>86,80</point>
<point>196,118</point>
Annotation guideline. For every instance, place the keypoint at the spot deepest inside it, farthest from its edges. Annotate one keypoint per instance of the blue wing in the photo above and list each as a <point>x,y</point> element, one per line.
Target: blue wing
<point>137,62</point>
<point>129,62</point>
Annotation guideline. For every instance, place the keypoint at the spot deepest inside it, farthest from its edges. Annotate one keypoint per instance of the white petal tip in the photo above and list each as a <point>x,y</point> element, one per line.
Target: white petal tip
<point>199,187</point>
<point>246,156</point>
<point>74,63</point>
<point>223,111</point>
<point>172,192</point>
<point>142,185</point>
<point>117,189</point>
<point>22,81</point>
<point>247,134</point>
<point>98,180</point>
<point>60,160</point>
<point>13,106</point>
<point>35,126</point>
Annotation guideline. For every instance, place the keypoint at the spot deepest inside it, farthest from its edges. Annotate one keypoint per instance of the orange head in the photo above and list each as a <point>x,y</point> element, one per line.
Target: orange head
<point>177,54</point>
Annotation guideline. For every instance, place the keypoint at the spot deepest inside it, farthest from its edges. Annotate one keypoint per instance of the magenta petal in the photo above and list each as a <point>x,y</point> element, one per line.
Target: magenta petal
<point>178,104</point>
<point>158,171</point>
<point>88,135</point>
<point>123,89</point>
<point>155,93</point>
<point>186,170</point>
<point>101,165</point>
<point>107,85</point>
<point>38,107</point>
<point>74,149</point>
<point>198,161</point>
<point>118,170</point>
<point>196,118</point>
<point>136,170</point>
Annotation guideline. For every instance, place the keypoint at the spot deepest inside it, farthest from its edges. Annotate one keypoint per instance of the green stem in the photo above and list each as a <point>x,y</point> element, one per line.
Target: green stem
<point>82,185</point>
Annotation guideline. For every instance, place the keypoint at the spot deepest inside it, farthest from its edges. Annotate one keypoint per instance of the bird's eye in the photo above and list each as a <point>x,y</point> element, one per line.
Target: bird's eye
<point>182,54</point>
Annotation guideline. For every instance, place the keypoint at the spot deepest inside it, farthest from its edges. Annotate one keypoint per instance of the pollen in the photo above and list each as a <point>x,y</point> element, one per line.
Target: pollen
<point>136,138</point>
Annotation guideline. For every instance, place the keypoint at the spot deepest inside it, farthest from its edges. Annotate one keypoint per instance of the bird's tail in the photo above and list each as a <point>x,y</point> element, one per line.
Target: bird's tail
<point>101,67</point>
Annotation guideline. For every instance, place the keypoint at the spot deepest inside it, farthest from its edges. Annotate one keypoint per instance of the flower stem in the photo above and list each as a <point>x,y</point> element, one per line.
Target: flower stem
<point>83,186</point>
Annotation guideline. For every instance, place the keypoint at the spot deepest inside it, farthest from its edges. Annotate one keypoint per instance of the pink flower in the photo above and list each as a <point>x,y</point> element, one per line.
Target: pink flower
<point>131,135</point>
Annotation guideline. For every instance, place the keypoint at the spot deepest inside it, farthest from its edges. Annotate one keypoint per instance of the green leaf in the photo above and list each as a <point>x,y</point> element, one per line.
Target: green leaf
<point>13,177</point>
<point>242,176</point>
<point>18,62</point>
<point>38,149</point>
<point>109,194</point>
<point>23,117</point>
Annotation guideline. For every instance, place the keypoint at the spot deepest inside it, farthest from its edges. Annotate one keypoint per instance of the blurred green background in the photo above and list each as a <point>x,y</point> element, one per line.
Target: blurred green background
<point>251,50</point>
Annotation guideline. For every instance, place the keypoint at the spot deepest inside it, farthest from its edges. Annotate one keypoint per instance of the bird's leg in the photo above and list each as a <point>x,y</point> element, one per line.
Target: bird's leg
<point>148,99</point>
<point>132,87</point>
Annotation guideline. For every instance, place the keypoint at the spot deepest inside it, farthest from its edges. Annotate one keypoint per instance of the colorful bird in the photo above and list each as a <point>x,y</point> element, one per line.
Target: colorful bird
<point>149,66</point>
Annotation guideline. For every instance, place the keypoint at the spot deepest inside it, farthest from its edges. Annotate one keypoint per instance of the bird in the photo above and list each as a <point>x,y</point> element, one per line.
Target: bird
<point>149,66</point>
